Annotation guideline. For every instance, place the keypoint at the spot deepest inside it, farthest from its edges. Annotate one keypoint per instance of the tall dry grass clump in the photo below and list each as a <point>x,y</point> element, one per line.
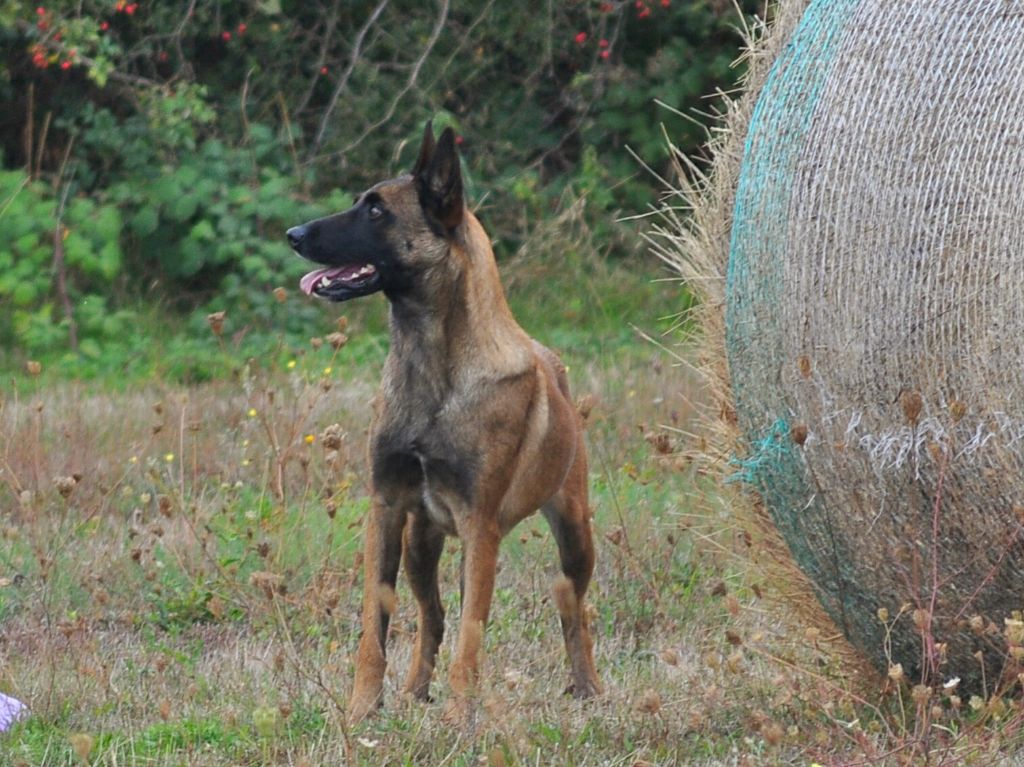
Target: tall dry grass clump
<point>692,236</point>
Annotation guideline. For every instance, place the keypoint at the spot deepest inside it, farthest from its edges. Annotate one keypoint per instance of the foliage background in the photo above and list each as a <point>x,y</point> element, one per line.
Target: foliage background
<point>154,153</point>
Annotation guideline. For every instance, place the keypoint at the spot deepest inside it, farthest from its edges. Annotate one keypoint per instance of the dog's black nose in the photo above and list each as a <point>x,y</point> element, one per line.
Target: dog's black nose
<point>296,235</point>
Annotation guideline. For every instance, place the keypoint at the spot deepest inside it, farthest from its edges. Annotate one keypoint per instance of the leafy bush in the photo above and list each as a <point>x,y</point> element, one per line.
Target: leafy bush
<point>185,138</point>
<point>213,225</point>
<point>88,235</point>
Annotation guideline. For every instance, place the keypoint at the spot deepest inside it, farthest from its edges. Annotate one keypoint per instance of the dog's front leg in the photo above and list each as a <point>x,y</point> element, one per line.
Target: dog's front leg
<point>480,560</point>
<point>382,556</point>
<point>424,542</point>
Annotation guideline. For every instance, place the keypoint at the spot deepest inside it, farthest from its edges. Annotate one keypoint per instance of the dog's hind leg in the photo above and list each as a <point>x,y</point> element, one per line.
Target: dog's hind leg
<point>382,556</point>
<point>424,542</point>
<point>569,517</point>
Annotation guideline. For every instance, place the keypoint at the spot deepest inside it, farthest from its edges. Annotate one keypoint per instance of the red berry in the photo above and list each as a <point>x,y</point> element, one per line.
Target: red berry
<point>104,26</point>
<point>323,70</point>
<point>605,54</point>
<point>162,56</point>
<point>41,11</point>
<point>458,140</point>
<point>241,28</point>
<point>602,43</point>
<point>130,9</point>
<point>225,35</point>
<point>666,3</point>
<point>65,65</point>
<point>581,37</point>
<point>644,13</point>
<point>607,8</point>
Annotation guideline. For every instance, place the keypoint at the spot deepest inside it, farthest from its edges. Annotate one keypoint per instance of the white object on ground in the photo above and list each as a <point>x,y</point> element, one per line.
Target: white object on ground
<point>10,711</point>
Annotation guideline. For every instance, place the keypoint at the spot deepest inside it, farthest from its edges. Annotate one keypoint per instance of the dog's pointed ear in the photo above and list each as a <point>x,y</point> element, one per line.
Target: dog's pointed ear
<point>426,150</point>
<point>439,184</point>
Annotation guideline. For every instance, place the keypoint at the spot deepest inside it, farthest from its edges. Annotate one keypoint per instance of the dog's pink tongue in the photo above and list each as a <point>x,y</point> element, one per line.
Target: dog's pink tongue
<point>307,283</point>
<point>347,273</point>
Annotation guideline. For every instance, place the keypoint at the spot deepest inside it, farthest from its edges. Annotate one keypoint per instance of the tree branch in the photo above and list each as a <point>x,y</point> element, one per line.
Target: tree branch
<point>116,75</point>
<point>325,44</point>
<point>342,83</point>
<point>183,65</point>
<point>59,270</point>
<point>442,16</point>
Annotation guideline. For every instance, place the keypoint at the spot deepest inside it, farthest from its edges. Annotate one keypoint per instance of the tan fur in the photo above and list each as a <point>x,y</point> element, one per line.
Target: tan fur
<point>473,430</point>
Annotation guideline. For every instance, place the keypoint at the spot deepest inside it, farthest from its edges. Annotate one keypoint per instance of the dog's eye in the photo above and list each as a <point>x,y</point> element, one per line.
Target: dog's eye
<point>376,211</point>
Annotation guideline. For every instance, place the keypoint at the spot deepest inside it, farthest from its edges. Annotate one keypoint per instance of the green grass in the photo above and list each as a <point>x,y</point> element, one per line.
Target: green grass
<point>194,598</point>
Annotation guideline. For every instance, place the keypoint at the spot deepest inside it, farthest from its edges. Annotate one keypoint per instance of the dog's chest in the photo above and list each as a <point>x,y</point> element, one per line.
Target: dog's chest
<point>439,501</point>
<point>427,458</point>
<point>448,474</point>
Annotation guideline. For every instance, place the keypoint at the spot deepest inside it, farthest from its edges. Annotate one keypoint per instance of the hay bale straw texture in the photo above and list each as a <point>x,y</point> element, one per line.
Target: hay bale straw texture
<point>858,250</point>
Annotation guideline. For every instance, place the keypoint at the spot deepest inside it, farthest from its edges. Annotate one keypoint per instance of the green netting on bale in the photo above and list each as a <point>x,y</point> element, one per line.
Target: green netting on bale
<point>875,308</point>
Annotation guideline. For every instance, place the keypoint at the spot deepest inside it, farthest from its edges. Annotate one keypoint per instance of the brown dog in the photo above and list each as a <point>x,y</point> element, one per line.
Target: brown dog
<point>473,427</point>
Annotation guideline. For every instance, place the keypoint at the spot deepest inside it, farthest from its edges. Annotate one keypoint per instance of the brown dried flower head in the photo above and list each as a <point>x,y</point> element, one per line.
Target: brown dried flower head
<point>585,405</point>
<point>912,404</point>
<point>164,504</point>
<point>957,410</point>
<point>649,703</point>
<point>333,437</point>
<point>921,694</point>
<point>798,433</point>
<point>267,582</point>
<point>804,363</point>
<point>65,485</point>
<point>773,733</point>
<point>81,744</point>
<point>660,441</point>
<point>1014,630</point>
<point>216,322</point>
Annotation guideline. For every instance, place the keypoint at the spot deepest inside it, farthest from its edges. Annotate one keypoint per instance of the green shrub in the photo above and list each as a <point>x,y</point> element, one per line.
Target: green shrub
<point>92,260</point>
<point>185,138</point>
<point>213,227</point>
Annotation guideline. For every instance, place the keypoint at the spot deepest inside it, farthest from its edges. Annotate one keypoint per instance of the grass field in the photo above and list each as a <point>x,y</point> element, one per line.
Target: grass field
<point>180,580</point>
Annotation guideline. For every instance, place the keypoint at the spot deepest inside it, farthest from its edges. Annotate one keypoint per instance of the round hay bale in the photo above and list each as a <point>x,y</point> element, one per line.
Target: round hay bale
<point>870,316</point>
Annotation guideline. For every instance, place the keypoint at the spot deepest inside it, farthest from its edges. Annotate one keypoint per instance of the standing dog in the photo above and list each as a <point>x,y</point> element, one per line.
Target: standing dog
<point>473,426</point>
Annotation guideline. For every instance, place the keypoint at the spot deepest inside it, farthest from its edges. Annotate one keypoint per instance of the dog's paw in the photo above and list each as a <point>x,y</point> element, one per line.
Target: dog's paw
<point>583,690</point>
<point>361,707</point>
<point>420,695</point>
<point>460,713</point>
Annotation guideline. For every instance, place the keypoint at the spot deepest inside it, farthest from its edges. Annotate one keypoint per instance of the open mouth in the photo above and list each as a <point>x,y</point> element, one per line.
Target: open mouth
<point>337,283</point>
